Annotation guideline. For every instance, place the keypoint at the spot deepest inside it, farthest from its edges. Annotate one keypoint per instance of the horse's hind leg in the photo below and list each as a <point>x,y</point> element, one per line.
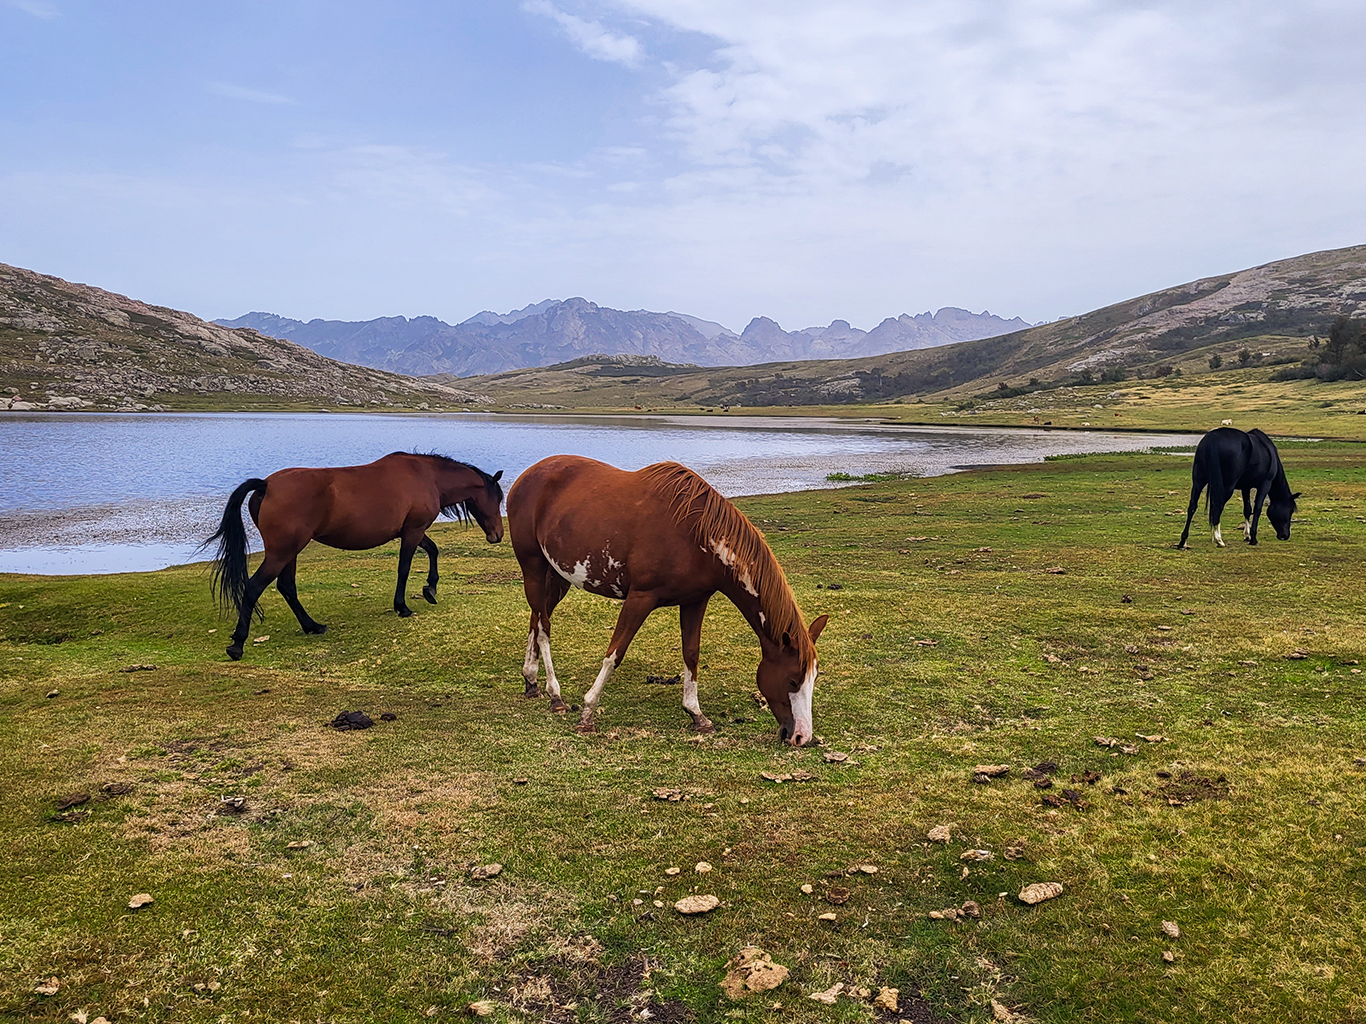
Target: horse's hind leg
<point>405,563</point>
<point>1247,513</point>
<point>544,590</point>
<point>690,618</point>
<point>429,591</point>
<point>1216,510</point>
<point>284,583</point>
<point>270,568</point>
<point>1196,488</point>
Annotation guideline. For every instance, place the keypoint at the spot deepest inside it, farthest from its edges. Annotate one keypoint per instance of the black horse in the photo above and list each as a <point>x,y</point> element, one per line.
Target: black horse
<point>1229,460</point>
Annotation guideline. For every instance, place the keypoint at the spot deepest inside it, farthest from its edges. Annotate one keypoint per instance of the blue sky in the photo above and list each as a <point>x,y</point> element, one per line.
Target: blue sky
<point>799,160</point>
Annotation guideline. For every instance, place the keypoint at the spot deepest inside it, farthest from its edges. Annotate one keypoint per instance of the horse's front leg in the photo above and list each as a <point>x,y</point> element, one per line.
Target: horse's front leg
<point>429,591</point>
<point>1247,513</point>
<point>690,618</point>
<point>633,613</point>
<point>1257,513</point>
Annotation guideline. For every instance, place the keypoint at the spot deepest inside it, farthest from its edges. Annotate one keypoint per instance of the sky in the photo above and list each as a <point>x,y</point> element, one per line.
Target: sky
<point>794,159</point>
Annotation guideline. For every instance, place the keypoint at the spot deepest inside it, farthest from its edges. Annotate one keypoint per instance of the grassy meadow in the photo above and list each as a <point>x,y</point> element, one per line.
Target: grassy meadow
<point>1000,617</point>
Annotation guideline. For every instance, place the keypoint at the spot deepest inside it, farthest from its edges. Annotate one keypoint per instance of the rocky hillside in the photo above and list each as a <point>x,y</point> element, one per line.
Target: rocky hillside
<point>1270,310</point>
<point>560,331</point>
<point>70,346</point>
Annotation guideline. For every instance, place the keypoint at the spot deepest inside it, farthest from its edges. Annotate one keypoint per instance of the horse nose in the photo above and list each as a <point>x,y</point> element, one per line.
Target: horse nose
<point>798,740</point>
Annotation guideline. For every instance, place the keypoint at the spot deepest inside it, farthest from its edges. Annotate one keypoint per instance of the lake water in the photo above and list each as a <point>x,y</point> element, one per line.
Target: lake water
<point>91,493</point>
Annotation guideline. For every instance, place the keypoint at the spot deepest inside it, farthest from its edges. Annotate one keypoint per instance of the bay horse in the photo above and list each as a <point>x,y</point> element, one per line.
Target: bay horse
<point>657,537</point>
<point>347,507</point>
<point>1228,460</point>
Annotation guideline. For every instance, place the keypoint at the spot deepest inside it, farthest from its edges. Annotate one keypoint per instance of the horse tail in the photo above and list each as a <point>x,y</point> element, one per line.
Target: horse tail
<point>229,582</point>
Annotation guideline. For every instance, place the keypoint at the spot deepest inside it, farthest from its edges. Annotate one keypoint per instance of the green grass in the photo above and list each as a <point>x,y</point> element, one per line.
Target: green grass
<point>952,644</point>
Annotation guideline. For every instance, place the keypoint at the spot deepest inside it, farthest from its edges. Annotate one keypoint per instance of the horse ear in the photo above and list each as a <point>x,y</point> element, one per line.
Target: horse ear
<point>787,639</point>
<point>1296,496</point>
<point>498,475</point>
<point>815,628</point>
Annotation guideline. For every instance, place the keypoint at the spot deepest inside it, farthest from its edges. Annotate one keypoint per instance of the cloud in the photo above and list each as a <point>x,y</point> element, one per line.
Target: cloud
<point>44,9</point>
<point>590,36</point>
<point>237,92</point>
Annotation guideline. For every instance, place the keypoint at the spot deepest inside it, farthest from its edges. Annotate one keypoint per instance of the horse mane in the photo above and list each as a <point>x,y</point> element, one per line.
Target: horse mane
<point>710,518</point>
<point>460,510</point>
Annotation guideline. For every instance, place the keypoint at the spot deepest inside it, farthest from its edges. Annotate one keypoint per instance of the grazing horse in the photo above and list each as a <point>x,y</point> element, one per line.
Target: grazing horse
<point>349,507</point>
<point>655,538</point>
<point>1229,460</point>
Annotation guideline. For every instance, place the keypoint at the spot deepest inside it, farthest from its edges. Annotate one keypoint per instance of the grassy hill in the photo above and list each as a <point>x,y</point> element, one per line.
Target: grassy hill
<point>1272,311</point>
<point>87,348</point>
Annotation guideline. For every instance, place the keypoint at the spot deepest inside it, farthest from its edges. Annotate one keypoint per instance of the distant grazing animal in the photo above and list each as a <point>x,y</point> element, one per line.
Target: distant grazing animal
<point>349,507</point>
<point>1228,460</point>
<point>655,538</point>
<point>1226,423</point>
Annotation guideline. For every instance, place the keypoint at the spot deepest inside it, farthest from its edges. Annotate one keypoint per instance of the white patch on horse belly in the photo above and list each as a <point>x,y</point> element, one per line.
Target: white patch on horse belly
<point>578,577</point>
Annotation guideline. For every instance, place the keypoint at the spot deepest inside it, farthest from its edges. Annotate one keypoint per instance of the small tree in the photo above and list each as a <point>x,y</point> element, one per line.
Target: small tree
<point>1244,357</point>
<point>1216,361</point>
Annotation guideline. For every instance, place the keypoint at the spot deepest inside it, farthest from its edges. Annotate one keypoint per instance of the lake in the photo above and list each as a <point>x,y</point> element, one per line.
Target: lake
<point>110,492</point>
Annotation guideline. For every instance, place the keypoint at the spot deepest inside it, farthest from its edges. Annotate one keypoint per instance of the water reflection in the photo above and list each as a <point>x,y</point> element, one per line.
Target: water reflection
<point>108,492</point>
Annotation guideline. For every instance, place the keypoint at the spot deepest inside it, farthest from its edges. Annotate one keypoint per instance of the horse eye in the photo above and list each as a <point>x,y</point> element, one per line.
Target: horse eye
<point>795,685</point>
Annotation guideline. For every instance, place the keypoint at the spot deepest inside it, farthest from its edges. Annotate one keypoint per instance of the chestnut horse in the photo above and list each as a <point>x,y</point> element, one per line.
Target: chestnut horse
<point>349,507</point>
<point>655,538</point>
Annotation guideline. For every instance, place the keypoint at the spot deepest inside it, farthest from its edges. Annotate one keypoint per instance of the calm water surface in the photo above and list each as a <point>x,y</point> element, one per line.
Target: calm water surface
<point>112,492</point>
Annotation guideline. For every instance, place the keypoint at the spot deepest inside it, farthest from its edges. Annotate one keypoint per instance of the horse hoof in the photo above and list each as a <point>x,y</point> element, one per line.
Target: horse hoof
<point>429,594</point>
<point>317,629</point>
<point>558,706</point>
<point>235,653</point>
<point>404,612</point>
<point>532,693</point>
<point>704,727</point>
<point>586,728</point>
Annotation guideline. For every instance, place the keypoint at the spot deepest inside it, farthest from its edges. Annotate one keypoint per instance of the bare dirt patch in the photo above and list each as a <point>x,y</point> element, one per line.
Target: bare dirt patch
<point>564,991</point>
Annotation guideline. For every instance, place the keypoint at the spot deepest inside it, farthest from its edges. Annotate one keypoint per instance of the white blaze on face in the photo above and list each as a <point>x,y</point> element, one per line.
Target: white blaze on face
<point>801,706</point>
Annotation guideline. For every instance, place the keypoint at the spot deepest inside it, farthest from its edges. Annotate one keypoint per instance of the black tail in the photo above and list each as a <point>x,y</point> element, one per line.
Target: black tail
<point>229,583</point>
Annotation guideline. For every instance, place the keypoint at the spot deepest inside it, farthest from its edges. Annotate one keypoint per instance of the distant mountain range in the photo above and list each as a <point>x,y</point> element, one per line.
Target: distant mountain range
<point>557,331</point>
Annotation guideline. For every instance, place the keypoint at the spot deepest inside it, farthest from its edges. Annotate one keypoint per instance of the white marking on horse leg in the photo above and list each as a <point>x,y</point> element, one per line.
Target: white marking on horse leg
<point>690,703</point>
<point>690,693</point>
<point>552,685</point>
<point>802,729</point>
<point>1218,536</point>
<point>1247,527</point>
<point>590,699</point>
<point>531,664</point>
